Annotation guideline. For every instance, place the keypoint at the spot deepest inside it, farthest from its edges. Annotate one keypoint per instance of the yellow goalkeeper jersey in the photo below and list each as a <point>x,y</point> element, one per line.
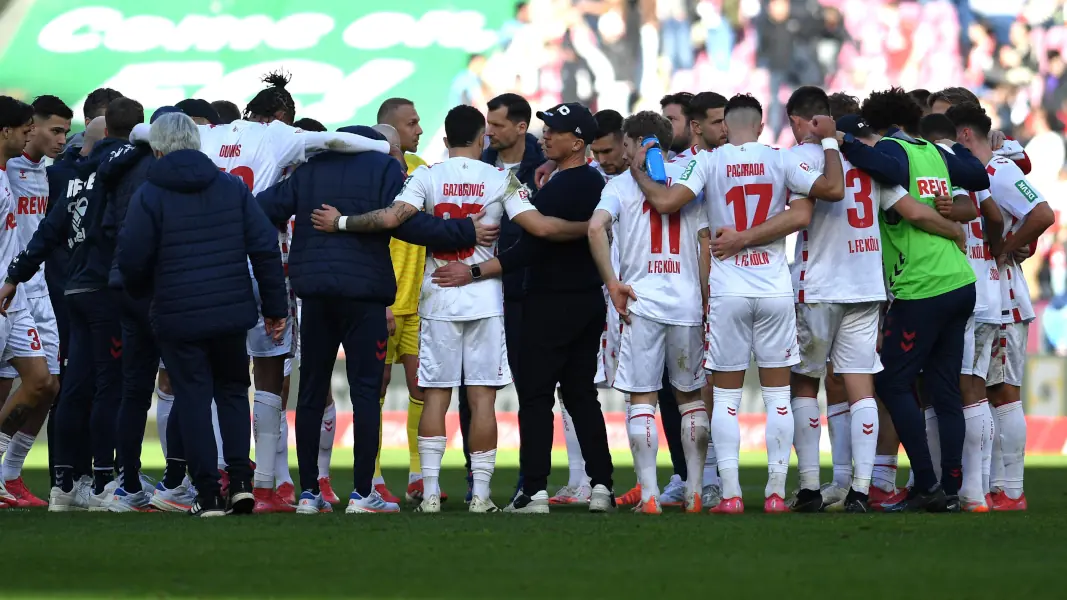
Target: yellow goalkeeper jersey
<point>409,262</point>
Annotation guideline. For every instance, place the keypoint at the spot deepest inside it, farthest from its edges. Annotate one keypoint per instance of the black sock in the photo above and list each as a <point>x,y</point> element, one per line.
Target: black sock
<point>65,478</point>
<point>174,474</point>
<point>102,477</point>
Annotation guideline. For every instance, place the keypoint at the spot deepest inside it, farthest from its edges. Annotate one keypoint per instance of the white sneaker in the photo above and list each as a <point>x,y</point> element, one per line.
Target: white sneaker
<point>536,504</point>
<point>674,493</point>
<point>100,502</point>
<point>5,496</point>
<point>72,501</point>
<point>711,496</point>
<point>430,504</point>
<point>571,495</point>
<point>478,505</point>
<point>312,504</point>
<point>373,503</point>
<point>124,501</point>
<point>833,497</point>
<point>601,499</point>
<point>179,499</point>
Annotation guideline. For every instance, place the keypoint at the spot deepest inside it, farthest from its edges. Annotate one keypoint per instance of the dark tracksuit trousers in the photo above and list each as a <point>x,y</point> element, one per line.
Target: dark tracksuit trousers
<point>560,333</point>
<point>140,360</point>
<point>202,370</point>
<point>92,385</point>
<point>329,322</point>
<point>927,335</point>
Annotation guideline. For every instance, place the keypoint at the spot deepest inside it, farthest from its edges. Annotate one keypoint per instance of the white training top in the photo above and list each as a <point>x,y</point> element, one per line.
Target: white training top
<point>29,184</point>
<point>659,254</point>
<point>743,186</point>
<point>456,189</point>
<point>984,265</point>
<point>838,257</point>
<point>10,244</point>
<point>258,153</point>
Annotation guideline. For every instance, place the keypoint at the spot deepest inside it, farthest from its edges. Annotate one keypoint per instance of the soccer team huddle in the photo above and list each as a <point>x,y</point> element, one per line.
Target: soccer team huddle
<point>696,283</point>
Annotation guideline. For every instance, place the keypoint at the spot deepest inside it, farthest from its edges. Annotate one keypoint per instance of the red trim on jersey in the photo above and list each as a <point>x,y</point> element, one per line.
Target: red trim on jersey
<point>1016,315</point>
<point>800,299</point>
<point>990,169</point>
<point>30,158</point>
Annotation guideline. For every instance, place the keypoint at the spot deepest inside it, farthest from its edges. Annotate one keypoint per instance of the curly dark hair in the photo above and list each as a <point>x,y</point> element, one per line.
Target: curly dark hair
<point>894,106</point>
<point>274,98</point>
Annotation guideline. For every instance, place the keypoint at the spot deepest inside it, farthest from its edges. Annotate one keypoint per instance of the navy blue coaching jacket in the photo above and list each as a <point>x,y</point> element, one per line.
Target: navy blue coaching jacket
<point>351,265</point>
<point>189,234</point>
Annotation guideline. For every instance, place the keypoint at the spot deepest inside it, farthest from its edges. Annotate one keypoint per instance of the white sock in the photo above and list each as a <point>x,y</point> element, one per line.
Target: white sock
<point>839,422</point>
<point>164,403</point>
<point>987,444</point>
<point>431,451</point>
<point>884,476</point>
<point>575,462</point>
<point>974,434</point>
<point>726,432</point>
<point>1013,446</point>
<point>644,444</point>
<point>626,402</point>
<point>933,440</point>
<point>221,461</point>
<point>711,469</point>
<point>996,457</point>
<point>16,453</point>
<point>806,433</point>
<point>482,465</point>
<point>266,425</point>
<point>779,438</point>
<point>326,438</point>
<point>864,443</point>
<point>694,443</point>
<point>911,479</point>
<point>281,458</point>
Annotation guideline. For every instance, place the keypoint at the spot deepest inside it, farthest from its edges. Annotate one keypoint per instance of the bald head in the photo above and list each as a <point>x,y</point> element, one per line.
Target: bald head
<point>393,137</point>
<point>94,132</point>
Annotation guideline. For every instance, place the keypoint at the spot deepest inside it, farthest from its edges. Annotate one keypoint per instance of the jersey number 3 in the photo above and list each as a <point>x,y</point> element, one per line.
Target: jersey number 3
<point>448,210</point>
<point>862,197</point>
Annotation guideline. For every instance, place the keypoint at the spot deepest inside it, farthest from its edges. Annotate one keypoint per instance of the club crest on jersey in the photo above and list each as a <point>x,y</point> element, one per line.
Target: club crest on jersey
<point>1025,189</point>
<point>688,170</point>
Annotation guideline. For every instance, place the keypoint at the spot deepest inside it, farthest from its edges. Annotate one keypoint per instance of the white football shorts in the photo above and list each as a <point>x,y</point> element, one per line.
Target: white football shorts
<point>844,334</point>
<point>1012,363</point>
<point>47,332</point>
<point>646,346</point>
<point>740,327</point>
<point>986,341</point>
<point>262,345</point>
<point>467,352</point>
<point>18,334</point>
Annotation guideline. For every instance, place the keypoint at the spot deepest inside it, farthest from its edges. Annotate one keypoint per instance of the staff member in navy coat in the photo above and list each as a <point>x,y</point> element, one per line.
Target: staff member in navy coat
<point>189,235</point>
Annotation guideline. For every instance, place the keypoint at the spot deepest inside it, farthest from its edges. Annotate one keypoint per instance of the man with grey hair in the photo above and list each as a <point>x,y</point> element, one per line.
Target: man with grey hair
<point>193,262</point>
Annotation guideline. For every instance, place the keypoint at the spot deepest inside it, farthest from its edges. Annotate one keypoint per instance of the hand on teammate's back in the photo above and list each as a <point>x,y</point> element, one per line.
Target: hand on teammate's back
<point>727,242</point>
<point>485,233</point>
<point>7,294</point>
<point>453,274</point>
<point>275,327</point>
<point>325,218</point>
<point>944,205</point>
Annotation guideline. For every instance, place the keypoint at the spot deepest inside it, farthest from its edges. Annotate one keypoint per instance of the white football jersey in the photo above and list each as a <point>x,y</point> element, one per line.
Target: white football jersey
<point>838,257</point>
<point>258,153</point>
<point>10,244</point>
<point>456,189</point>
<point>744,186</point>
<point>1016,197</point>
<point>658,253</point>
<point>686,154</point>
<point>987,286</point>
<point>29,184</point>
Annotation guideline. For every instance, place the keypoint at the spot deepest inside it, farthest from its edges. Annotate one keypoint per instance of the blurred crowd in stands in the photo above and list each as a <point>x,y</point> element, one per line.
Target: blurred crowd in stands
<point>627,54</point>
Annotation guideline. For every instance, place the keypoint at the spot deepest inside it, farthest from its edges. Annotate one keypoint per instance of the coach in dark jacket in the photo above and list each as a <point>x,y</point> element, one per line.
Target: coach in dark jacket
<point>189,234</point>
<point>345,283</point>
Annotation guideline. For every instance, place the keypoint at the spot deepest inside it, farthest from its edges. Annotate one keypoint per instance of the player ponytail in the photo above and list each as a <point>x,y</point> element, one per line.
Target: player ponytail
<point>271,100</point>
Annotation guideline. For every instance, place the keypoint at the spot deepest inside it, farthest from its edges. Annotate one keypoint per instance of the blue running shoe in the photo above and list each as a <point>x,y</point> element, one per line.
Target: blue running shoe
<point>124,501</point>
<point>312,504</point>
<point>373,503</point>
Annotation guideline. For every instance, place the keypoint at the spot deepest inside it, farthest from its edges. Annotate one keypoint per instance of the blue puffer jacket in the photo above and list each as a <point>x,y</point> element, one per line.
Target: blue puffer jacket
<point>187,238</point>
<point>120,175</point>
<point>350,265</point>
<point>532,157</point>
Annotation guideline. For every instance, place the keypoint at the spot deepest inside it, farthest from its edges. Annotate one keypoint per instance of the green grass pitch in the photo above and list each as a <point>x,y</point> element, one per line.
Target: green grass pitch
<point>567,554</point>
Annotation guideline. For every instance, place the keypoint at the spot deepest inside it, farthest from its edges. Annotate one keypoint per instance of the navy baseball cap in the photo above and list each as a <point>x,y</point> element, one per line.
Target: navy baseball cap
<point>571,117</point>
<point>195,107</point>
<point>163,110</point>
<point>855,125</point>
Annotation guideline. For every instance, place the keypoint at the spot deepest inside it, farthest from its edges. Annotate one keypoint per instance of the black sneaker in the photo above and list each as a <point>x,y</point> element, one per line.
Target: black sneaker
<point>241,501</point>
<point>933,500</point>
<point>536,504</point>
<point>952,503</point>
<point>807,501</point>
<point>856,502</point>
<point>208,506</point>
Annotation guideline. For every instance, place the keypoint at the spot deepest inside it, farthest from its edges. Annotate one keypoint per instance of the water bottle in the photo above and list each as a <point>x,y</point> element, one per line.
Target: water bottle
<point>654,160</point>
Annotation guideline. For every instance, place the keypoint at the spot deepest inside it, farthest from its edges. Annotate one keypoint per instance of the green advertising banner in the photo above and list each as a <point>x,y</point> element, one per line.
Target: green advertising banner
<point>345,57</point>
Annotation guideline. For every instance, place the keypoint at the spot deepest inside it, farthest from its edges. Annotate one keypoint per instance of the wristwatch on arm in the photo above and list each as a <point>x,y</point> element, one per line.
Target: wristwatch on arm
<point>476,272</point>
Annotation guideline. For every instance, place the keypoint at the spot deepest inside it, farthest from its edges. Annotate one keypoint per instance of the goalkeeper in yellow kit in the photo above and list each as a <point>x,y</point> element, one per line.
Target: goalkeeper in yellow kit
<point>409,262</point>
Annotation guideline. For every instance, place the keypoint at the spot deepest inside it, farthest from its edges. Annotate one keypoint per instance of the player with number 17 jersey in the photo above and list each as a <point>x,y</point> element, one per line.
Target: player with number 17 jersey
<point>743,186</point>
